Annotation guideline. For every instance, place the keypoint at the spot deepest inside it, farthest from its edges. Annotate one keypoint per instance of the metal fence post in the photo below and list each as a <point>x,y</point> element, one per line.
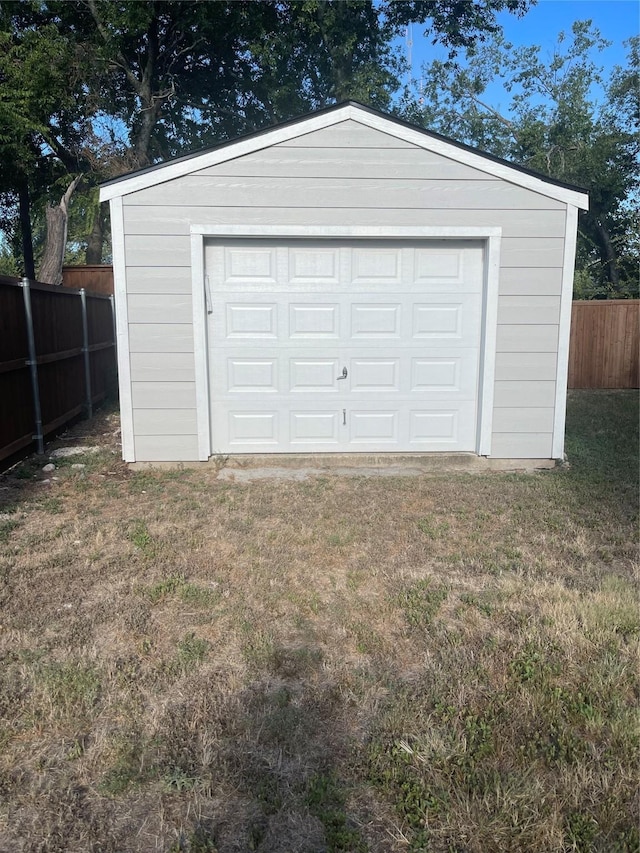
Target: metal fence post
<point>112,300</point>
<point>86,353</point>
<point>32,363</point>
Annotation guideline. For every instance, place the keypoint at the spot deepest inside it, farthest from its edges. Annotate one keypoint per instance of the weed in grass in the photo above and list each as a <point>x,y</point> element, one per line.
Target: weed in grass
<point>198,596</point>
<point>480,602</point>
<point>581,830</point>
<point>326,800</point>
<point>433,529</point>
<point>76,750</point>
<point>192,651</point>
<point>71,689</point>
<point>141,538</point>
<point>368,641</point>
<point>421,601</point>
<point>167,586</point>
<point>177,779</point>
<point>533,664</point>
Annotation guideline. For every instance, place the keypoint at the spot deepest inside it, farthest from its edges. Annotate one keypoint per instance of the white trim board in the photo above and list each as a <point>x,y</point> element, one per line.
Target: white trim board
<point>122,329</point>
<point>490,235</point>
<point>564,332</point>
<point>200,344</point>
<point>345,231</point>
<point>241,147</point>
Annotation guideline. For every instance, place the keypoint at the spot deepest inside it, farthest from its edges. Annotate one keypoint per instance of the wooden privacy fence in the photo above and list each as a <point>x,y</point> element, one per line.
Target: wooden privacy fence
<point>57,359</point>
<point>603,352</point>
<point>97,278</point>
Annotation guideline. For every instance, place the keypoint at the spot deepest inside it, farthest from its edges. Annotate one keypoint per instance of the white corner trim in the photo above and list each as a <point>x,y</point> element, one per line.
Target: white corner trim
<point>490,234</point>
<point>346,231</point>
<point>277,135</point>
<point>487,366</point>
<point>564,332</point>
<point>200,346</point>
<point>122,329</point>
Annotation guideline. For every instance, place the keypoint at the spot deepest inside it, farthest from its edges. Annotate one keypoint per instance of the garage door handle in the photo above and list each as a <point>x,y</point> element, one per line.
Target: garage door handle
<point>344,374</point>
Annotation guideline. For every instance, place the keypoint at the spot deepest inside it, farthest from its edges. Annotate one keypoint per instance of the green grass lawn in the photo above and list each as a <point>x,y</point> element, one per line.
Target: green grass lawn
<point>445,664</point>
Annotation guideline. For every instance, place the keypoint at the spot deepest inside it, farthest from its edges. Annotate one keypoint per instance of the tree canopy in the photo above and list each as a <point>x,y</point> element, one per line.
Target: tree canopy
<point>564,120</point>
<point>93,88</point>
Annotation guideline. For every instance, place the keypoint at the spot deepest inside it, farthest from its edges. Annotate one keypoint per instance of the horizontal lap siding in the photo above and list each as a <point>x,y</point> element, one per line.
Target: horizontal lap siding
<point>345,175</point>
<point>160,314</point>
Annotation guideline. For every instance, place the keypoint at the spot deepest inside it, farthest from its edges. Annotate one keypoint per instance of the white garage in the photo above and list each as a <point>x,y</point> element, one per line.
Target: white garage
<point>342,283</point>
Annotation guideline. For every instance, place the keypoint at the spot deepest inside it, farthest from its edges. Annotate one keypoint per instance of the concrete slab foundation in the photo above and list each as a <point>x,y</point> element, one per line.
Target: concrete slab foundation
<point>244,468</point>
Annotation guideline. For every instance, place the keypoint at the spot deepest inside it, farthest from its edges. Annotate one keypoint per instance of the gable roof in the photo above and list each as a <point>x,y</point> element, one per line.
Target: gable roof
<point>426,139</point>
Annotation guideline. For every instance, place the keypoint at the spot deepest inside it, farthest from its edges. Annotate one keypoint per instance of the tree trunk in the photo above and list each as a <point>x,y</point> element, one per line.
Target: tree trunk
<point>25,229</point>
<point>608,255</point>
<point>96,238</point>
<point>50,271</point>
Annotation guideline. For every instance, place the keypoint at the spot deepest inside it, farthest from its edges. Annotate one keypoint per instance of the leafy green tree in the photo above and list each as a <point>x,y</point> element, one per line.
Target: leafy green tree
<point>563,120</point>
<point>45,112</point>
<point>168,76</point>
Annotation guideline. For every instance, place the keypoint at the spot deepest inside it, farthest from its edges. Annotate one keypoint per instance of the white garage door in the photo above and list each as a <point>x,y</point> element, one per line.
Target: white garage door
<point>328,346</point>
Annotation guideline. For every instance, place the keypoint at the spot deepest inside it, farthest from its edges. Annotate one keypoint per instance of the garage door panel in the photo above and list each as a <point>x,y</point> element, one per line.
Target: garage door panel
<point>443,265</point>
<point>377,266</point>
<point>245,264</point>
<point>450,320</point>
<point>250,375</point>
<point>252,321</point>
<point>315,427</point>
<point>373,427</point>
<point>374,374</point>
<point>312,264</point>
<point>434,426</point>
<point>313,375</point>
<point>370,320</point>
<point>314,320</point>
<point>403,320</point>
<point>442,426</point>
<point>252,428</point>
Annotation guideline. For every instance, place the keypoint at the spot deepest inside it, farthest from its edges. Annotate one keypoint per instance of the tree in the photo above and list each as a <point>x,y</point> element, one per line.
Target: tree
<point>45,110</point>
<point>168,76</point>
<point>555,124</point>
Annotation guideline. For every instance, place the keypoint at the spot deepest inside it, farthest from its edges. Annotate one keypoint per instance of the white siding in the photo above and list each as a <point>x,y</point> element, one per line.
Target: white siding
<point>160,308</point>
<point>162,367</point>
<point>166,448</point>
<point>337,193</point>
<point>344,175</point>
<point>163,421</point>
<point>178,220</point>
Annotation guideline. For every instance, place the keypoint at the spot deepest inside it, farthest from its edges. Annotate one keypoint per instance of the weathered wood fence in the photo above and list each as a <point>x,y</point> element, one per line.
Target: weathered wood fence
<point>604,346</point>
<point>57,359</point>
<point>98,278</point>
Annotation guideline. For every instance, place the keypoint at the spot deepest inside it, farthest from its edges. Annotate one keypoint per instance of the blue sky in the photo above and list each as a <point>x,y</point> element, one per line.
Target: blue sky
<point>617,21</point>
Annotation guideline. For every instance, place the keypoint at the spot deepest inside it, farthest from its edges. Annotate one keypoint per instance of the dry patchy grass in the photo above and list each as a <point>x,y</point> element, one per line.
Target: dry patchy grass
<point>436,664</point>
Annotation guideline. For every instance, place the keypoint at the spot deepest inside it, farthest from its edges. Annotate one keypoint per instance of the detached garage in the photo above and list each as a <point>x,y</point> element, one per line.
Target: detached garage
<point>344,282</point>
